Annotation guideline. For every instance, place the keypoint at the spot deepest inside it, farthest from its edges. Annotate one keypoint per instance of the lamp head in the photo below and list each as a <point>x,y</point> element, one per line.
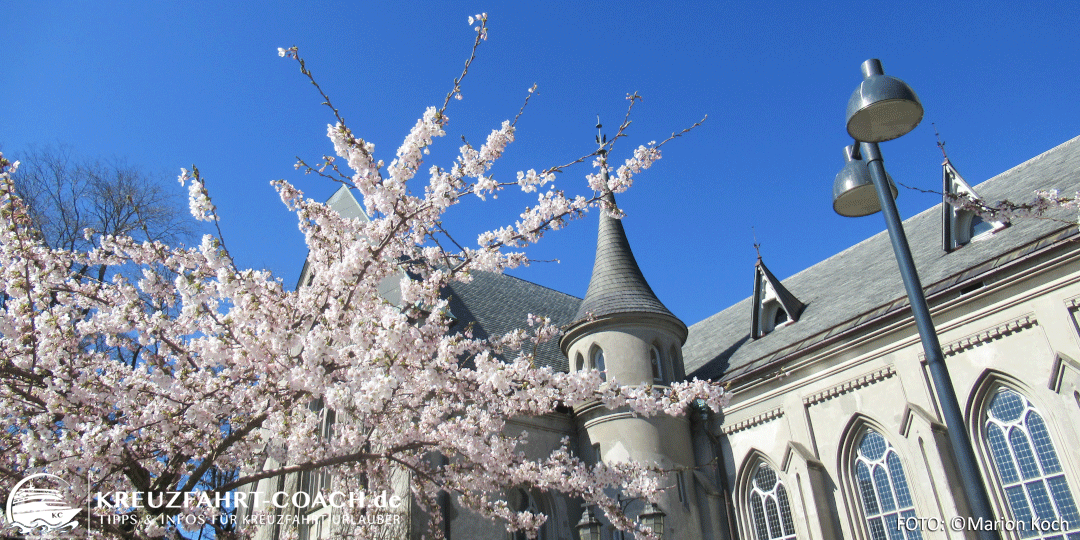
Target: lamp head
<point>854,194</point>
<point>652,517</point>
<point>882,108</point>
<point>589,528</point>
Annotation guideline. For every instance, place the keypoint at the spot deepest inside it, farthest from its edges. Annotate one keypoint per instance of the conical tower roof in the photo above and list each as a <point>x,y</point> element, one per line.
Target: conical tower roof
<point>617,285</point>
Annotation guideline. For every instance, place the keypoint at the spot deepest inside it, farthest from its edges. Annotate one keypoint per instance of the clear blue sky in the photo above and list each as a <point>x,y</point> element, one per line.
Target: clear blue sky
<point>166,85</point>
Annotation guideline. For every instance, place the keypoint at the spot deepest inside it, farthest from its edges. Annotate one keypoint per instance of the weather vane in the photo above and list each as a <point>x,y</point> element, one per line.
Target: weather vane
<point>940,143</point>
<point>757,245</point>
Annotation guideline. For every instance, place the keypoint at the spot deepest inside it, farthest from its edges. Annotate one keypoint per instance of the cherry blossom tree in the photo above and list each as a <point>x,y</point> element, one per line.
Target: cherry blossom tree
<point>229,360</point>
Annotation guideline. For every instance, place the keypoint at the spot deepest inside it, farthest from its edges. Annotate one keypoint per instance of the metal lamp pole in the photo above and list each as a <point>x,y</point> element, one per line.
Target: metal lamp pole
<point>890,124</point>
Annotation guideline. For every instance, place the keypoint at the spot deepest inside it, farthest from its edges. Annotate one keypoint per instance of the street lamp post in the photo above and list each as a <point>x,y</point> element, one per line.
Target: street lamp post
<point>883,108</point>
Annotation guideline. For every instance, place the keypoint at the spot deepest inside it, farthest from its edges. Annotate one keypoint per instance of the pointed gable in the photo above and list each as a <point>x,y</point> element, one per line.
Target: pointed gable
<point>959,227</point>
<point>346,204</point>
<point>773,304</point>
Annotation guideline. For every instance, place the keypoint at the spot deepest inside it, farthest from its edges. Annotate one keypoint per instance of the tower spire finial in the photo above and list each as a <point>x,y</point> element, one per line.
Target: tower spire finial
<point>601,139</point>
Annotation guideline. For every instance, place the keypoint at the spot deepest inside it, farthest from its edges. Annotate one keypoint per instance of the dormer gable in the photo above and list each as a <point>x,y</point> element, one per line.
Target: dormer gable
<point>960,227</point>
<point>774,306</point>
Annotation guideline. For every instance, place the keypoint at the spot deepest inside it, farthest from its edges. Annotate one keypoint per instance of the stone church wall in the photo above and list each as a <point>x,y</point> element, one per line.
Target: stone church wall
<point>804,420</point>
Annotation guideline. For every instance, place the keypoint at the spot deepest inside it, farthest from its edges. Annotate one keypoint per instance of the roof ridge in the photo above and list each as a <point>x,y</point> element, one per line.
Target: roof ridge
<point>720,342</point>
<point>935,207</point>
<point>1055,149</point>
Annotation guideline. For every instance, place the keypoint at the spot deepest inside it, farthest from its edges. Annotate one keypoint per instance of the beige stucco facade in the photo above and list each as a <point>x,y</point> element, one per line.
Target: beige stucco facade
<point>805,417</point>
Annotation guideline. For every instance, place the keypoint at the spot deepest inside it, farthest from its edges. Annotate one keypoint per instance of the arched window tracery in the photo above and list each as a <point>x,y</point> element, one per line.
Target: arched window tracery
<point>883,488</point>
<point>770,509</point>
<point>1028,466</point>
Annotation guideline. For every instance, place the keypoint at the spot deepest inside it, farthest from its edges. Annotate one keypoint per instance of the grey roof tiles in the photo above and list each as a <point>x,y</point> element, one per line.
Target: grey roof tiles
<point>498,303</point>
<point>493,304</point>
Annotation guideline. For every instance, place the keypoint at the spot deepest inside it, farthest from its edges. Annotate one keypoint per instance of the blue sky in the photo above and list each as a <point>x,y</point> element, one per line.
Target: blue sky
<point>165,85</point>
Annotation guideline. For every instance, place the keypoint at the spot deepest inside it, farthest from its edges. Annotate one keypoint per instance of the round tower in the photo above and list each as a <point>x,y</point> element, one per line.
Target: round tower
<point>625,331</point>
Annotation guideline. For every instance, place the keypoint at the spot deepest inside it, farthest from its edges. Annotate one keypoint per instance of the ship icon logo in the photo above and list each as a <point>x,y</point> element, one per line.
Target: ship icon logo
<point>36,505</point>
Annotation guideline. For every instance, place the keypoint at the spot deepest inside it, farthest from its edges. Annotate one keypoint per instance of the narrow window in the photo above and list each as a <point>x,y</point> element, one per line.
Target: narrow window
<point>780,318</point>
<point>770,510</point>
<point>673,364</point>
<point>657,365</point>
<point>883,489</point>
<point>1028,466</point>
<point>598,363</point>
<point>317,481</point>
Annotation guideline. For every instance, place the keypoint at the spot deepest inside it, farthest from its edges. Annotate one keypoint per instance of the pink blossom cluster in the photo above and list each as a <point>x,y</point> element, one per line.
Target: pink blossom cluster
<point>198,197</point>
<point>178,362</point>
<point>1045,204</point>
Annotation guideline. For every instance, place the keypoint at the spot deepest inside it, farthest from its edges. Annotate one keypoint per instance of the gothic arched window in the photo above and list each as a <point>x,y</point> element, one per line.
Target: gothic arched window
<point>597,362</point>
<point>1028,466</point>
<point>770,510</point>
<point>521,500</point>
<point>883,488</point>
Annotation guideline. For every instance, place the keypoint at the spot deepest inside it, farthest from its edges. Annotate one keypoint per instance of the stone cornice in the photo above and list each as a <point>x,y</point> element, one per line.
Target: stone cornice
<point>978,338</point>
<point>622,321</point>
<point>754,420</point>
<point>849,385</point>
<point>1073,303</point>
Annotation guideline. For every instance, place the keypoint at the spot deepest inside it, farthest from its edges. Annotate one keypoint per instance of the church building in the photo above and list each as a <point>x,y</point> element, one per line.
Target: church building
<point>834,430</point>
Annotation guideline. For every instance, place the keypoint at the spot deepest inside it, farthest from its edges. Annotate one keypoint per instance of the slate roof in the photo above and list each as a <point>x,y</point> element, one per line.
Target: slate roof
<point>498,303</point>
<point>492,303</point>
<point>617,285</point>
<point>838,296</point>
